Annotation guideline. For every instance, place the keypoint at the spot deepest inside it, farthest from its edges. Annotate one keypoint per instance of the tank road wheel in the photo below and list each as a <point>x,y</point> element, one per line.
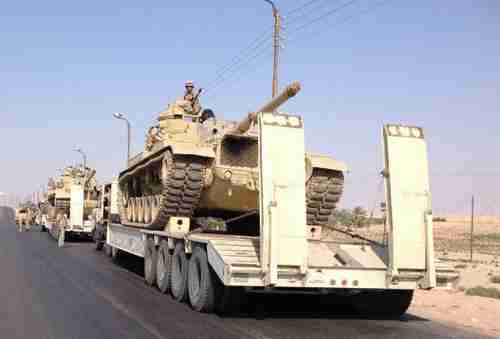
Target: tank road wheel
<point>323,192</point>
<point>201,282</point>
<point>387,303</point>
<point>136,209</point>
<point>163,267</point>
<point>130,209</point>
<point>181,186</point>
<point>150,258</point>
<point>155,206</point>
<point>140,209</point>
<point>146,204</point>
<point>178,288</point>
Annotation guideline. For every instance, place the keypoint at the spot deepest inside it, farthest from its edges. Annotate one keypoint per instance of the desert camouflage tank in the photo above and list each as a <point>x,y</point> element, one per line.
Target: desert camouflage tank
<point>196,166</point>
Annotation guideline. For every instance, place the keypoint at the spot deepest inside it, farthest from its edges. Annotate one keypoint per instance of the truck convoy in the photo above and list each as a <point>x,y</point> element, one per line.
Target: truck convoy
<point>71,201</point>
<point>219,209</point>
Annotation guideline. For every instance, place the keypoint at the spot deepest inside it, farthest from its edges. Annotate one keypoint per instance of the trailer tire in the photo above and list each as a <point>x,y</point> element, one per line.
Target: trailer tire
<point>387,303</point>
<point>179,275</point>
<point>115,254</point>
<point>107,250</point>
<point>164,267</point>
<point>201,281</point>
<point>150,259</point>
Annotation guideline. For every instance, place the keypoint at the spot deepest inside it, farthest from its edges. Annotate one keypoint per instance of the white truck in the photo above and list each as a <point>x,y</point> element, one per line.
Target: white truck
<point>213,270</point>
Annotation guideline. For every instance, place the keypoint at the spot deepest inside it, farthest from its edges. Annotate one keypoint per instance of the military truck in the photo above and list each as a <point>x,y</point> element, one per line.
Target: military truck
<point>23,218</point>
<point>71,201</point>
<point>271,241</point>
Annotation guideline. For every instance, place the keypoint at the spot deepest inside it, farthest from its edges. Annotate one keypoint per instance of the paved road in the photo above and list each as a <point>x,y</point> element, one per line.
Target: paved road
<point>76,292</point>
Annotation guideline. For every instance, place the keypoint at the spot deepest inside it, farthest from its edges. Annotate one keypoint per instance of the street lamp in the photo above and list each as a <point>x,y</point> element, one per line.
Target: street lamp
<point>121,116</point>
<point>79,150</point>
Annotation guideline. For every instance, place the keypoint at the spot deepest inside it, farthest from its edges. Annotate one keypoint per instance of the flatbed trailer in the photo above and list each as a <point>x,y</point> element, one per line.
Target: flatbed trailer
<point>213,270</point>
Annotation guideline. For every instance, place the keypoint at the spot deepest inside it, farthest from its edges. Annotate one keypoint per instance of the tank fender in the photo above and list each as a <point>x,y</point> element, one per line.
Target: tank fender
<point>187,149</point>
<point>323,161</point>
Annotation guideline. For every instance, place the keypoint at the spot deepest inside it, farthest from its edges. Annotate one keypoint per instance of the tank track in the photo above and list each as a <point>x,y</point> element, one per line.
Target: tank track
<point>182,189</point>
<point>323,192</point>
<point>182,184</point>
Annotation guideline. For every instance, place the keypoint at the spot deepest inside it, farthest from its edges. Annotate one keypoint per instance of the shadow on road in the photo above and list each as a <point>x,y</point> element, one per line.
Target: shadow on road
<point>131,263</point>
<point>281,306</point>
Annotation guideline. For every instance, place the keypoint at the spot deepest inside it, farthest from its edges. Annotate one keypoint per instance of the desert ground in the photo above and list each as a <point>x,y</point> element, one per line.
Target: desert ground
<point>474,301</point>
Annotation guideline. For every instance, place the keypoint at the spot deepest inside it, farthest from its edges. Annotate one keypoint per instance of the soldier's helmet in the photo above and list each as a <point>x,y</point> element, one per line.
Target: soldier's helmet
<point>189,83</point>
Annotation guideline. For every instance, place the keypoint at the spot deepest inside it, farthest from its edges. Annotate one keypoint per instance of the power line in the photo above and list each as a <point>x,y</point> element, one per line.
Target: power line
<point>236,60</point>
<point>223,79</point>
<point>300,8</point>
<point>245,69</point>
<point>258,46</point>
<point>242,61</point>
<point>324,16</point>
<point>292,19</point>
<point>340,22</point>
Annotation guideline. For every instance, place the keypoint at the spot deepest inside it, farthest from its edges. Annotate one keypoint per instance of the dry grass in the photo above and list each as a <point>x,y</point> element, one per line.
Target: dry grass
<point>484,292</point>
<point>450,236</point>
<point>454,236</point>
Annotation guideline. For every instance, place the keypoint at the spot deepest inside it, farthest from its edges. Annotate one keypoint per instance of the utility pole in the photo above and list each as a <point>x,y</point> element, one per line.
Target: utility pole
<point>472,228</point>
<point>276,45</point>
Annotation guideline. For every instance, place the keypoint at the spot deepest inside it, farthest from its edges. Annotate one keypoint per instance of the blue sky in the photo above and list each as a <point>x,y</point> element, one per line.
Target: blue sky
<point>65,67</point>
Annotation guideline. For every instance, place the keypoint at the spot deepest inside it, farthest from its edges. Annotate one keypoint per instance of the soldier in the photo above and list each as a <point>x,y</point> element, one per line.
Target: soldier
<point>192,97</point>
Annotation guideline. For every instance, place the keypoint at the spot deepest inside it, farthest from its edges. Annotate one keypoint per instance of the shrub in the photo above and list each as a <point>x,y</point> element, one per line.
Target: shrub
<point>484,292</point>
<point>495,279</point>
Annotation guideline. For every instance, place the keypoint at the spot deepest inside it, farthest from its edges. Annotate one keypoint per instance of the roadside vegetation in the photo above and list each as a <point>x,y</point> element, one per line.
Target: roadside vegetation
<point>484,292</point>
<point>495,279</point>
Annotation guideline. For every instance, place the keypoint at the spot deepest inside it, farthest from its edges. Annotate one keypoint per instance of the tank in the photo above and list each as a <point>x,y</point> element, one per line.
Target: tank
<point>58,197</point>
<point>197,166</point>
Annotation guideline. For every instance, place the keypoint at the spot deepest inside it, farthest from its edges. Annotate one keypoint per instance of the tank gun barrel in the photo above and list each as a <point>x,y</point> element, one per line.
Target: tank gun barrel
<point>289,92</point>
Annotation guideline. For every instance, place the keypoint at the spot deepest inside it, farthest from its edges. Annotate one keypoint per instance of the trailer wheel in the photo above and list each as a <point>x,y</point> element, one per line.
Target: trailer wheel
<point>107,250</point>
<point>164,267</point>
<point>150,258</point>
<point>179,275</point>
<point>115,253</point>
<point>201,282</point>
<point>388,303</point>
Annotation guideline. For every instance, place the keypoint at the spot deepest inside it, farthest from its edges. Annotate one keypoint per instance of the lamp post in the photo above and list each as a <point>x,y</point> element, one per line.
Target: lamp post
<point>79,150</point>
<point>121,116</point>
